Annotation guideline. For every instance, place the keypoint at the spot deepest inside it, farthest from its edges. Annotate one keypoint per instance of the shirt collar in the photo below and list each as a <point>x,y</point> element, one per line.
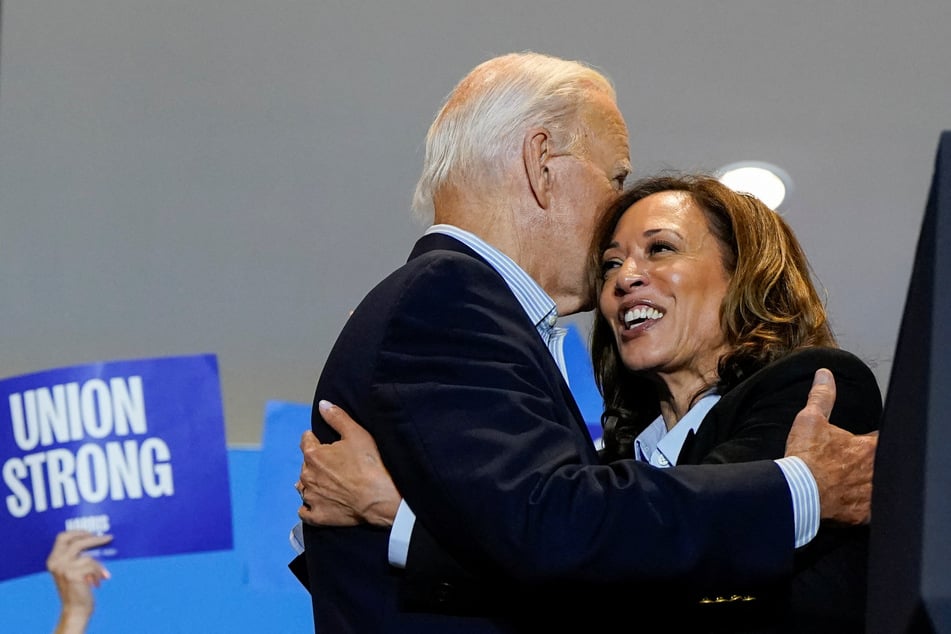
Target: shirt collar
<point>660,447</point>
<point>533,299</point>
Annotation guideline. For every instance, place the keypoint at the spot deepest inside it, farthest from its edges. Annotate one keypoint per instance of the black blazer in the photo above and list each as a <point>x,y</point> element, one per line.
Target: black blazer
<point>482,437</point>
<point>751,422</point>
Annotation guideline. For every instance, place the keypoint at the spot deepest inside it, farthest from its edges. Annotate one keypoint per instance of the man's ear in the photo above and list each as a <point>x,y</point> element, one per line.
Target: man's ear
<point>536,154</point>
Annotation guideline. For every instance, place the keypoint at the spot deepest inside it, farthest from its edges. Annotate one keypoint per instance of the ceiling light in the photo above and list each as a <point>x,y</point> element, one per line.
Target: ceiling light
<point>764,180</point>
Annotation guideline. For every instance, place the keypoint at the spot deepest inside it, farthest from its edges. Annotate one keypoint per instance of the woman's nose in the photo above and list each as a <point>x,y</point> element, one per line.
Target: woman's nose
<point>631,277</point>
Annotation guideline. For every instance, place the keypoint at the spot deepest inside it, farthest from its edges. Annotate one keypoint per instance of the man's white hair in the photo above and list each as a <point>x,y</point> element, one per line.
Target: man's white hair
<point>484,118</point>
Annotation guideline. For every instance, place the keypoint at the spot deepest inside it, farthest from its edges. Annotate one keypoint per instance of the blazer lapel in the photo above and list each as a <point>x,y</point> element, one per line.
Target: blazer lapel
<point>686,450</point>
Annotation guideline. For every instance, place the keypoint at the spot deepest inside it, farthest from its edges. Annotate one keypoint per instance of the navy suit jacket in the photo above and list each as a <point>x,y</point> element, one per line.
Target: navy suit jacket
<point>482,437</point>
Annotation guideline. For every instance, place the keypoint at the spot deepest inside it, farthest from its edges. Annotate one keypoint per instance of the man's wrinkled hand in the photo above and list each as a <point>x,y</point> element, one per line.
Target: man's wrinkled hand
<point>841,462</point>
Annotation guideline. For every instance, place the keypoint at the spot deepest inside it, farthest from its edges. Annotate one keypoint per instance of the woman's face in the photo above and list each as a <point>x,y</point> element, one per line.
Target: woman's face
<point>664,283</point>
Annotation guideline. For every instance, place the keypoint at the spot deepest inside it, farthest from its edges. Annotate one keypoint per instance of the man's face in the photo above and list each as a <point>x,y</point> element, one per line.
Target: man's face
<point>589,178</point>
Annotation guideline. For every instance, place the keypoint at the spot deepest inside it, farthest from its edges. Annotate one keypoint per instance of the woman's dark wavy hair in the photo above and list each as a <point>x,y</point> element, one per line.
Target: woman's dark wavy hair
<point>771,306</point>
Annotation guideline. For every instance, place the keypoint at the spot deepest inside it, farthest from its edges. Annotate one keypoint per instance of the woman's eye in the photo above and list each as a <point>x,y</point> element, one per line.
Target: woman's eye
<point>660,247</point>
<point>607,266</point>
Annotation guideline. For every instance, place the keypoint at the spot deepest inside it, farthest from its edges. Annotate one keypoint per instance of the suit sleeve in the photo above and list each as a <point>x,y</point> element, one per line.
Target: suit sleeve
<point>496,469</point>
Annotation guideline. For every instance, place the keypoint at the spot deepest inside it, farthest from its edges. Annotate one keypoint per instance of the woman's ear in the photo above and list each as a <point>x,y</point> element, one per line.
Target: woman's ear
<point>536,154</point>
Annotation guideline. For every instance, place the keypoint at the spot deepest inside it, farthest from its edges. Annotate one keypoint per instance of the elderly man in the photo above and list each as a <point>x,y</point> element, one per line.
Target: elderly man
<point>454,364</point>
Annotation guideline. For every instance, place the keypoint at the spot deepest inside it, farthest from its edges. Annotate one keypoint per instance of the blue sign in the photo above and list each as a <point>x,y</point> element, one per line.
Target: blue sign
<point>131,448</point>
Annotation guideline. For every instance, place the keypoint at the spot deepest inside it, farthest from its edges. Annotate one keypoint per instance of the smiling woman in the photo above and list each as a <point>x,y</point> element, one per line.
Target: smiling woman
<point>710,331</point>
<point>664,280</point>
<point>728,276</point>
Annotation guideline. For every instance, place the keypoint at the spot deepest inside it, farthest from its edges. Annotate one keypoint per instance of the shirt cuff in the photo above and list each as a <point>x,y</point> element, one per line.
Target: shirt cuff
<point>400,533</point>
<point>297,538</point>
<point>805,498</point>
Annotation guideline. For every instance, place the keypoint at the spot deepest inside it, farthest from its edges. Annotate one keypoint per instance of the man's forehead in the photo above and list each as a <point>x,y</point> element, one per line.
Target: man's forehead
<point>608,134</point>
<point>604,118</point>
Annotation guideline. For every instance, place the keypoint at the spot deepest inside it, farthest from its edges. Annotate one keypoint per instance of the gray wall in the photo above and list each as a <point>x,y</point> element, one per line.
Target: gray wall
<point>232,176</point>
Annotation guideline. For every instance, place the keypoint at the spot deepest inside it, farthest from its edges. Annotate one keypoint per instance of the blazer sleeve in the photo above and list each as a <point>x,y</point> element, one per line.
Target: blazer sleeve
<point>493,461</point>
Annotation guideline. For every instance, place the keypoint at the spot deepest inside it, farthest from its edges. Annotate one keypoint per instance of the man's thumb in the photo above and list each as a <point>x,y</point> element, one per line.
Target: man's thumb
<point>822,393</point>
